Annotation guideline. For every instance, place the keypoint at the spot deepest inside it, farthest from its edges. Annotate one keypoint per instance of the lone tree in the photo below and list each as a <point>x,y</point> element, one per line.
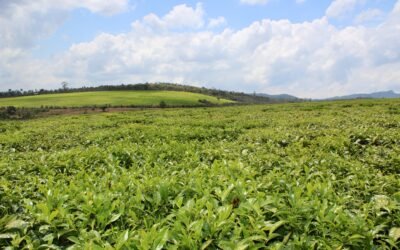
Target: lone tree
<point>64,85</point>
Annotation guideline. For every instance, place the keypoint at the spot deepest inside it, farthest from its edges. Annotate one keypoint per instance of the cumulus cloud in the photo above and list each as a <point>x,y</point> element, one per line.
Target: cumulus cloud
<point>217,22</point>
<point>104,7</point>
<point>309,59</point>
<point>180,17</point>
<point>24,22</point>
<point>184,16</point>
<point>340,7</point>
<point>369,15</point>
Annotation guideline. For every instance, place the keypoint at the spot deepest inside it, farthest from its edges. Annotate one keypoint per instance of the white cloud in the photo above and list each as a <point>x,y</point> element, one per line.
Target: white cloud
<point>184,16</point>
<point>254,2</point>
<point>340,7</point>
<point>23,22</point>
<point>180,17</point>
<point>104,7</point>
<point>300,1</point>
<point>217,22</point>
<point>369,15</point>
<point>309,59</point>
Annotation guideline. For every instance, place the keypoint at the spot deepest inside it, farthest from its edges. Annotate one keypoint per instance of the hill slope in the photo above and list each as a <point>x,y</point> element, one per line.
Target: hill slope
<point>283,97</point>
<point>113,98</point>
<point>228,95</point>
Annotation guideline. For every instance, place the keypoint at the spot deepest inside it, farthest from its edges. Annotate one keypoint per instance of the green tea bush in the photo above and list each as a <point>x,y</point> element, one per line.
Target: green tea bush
<point>287,176</point>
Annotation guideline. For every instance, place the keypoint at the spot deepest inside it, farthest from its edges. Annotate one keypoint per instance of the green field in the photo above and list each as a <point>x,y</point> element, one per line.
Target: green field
<point>287,176</point>
<point>113,98</point>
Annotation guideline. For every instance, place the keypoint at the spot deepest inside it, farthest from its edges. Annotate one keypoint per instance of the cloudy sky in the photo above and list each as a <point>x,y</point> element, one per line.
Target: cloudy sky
<point>309,48</point>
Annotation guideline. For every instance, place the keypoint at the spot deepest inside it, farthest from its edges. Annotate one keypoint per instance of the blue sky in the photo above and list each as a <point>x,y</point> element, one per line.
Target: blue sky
<point>303,47</point>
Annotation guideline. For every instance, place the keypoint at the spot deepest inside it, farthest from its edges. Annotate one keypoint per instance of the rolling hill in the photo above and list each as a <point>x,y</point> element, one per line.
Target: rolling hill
<point>220,94</point>
<point>283,97</point>
<point>375,95</point>
<point>113,98</point>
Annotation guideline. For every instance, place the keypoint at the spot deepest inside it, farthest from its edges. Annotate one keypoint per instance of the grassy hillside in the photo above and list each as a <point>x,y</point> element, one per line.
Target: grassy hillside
<point>229,95</point>
<point>114,98</point>
<point>286,176</point>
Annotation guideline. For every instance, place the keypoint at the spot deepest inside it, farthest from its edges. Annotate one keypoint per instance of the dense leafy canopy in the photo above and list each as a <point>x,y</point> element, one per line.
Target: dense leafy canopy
<point>300,176</point>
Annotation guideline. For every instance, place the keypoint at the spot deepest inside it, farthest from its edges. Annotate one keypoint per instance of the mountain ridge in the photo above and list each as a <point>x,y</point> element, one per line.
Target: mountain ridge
<point>286,97</point>
<point>373,95</point>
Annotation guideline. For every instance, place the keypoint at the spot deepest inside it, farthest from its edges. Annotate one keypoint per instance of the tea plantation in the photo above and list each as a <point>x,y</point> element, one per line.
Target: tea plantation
<point>320,175</point>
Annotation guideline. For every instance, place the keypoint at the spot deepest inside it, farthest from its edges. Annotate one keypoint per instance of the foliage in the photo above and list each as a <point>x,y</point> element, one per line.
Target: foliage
<point>12,112</point>
<point>205,102</point>
<point>163,104</point>
<point>288,176</point>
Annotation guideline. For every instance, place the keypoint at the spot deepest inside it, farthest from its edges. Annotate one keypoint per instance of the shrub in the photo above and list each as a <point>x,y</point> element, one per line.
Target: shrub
<point>163,104</point>
<point>205,102</point>
<point>11,110</point>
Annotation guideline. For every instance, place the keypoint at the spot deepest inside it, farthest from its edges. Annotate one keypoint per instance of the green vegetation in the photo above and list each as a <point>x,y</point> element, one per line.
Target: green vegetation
<point>12,112</point>
<point>295,176</point>
<point>229,95</point>
<point>113,98</point>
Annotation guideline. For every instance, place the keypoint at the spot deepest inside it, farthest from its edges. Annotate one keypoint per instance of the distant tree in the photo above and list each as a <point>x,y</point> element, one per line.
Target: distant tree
<point>64,85</point>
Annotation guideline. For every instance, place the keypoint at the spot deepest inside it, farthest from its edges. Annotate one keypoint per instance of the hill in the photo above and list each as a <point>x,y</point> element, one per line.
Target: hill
<point>283,97</point>
<point>229,95</point>
<point>382,94</point>
<point>113,98</point>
